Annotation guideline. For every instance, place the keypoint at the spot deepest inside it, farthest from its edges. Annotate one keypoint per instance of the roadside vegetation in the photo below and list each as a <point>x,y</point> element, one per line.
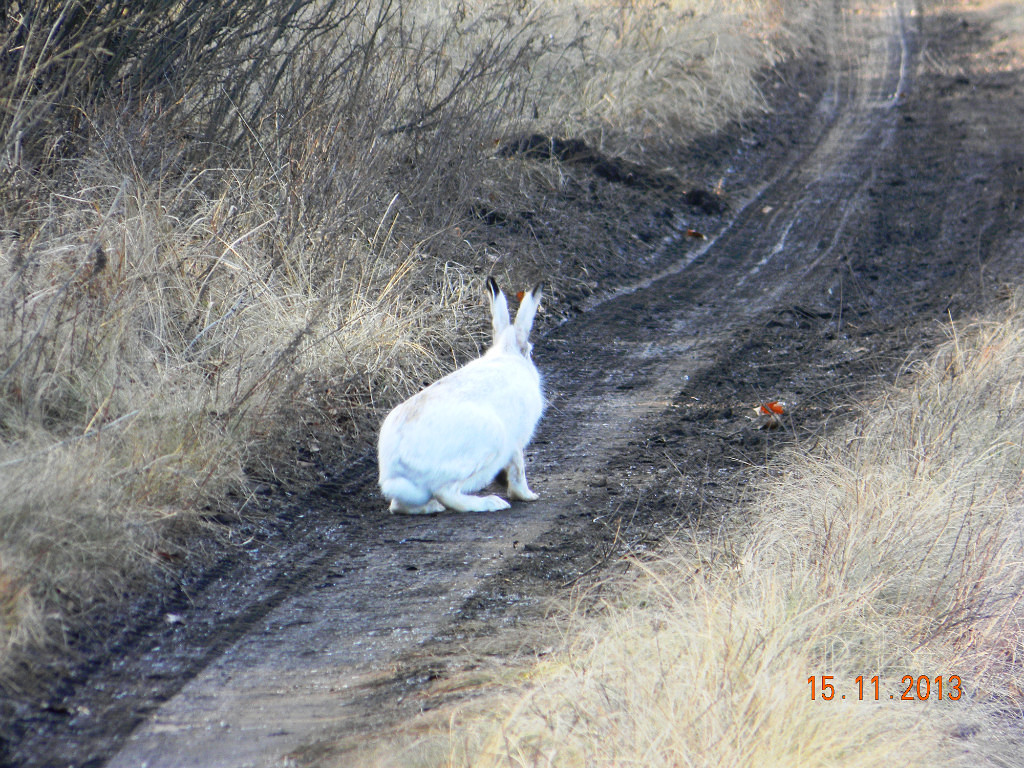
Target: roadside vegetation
<point>226,228</point>
<point>891,550</point>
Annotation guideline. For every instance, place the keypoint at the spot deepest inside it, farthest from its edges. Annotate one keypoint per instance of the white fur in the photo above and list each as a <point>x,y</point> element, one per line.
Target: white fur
<point>448,441</point>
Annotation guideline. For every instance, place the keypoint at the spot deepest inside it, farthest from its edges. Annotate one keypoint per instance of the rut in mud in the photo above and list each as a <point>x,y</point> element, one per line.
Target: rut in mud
<point>885,198</point>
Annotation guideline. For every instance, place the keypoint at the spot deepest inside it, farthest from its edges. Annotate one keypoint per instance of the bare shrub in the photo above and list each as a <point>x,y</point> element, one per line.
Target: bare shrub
<point>208,61</point>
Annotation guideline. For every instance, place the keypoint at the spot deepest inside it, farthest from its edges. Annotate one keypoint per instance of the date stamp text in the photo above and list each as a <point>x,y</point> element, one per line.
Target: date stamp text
<point>920,688</point>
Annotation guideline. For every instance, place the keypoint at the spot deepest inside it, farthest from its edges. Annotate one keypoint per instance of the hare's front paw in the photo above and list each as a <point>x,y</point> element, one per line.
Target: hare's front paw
<point>522,494</point>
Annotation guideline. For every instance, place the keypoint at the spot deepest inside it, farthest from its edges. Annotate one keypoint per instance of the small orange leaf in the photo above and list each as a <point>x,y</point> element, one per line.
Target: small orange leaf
<point>696,235</point>
<point>519,295</point>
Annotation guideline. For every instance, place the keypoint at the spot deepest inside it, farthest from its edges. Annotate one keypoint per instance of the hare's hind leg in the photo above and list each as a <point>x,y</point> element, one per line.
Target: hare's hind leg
<point>431,507</point>
<point>516,472</point>
<point>453,498</point>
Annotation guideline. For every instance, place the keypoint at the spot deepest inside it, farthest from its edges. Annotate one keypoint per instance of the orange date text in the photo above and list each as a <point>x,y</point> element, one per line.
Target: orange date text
<point>911,688</point>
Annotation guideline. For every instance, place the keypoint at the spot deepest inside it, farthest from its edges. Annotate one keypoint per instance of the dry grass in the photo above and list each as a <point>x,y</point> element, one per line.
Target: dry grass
<point>195,268</point>
<point>145,353</point>
<point>631,74</point>
<point>893,548</point>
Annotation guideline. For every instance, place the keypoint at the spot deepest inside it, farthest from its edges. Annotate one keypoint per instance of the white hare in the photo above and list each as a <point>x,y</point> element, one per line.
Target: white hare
<point>455,436</point>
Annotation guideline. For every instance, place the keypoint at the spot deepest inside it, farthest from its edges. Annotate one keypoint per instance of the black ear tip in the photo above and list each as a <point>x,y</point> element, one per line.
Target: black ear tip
<point>538,288</point>
<point>492,286</point>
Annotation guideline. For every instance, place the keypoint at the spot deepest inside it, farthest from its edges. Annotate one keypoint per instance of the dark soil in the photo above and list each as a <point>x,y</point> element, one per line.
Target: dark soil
<point>576,152</point>
<point>880,198</point>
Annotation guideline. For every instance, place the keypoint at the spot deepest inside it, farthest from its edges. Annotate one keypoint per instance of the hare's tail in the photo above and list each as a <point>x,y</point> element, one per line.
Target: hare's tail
<point>405,492</point>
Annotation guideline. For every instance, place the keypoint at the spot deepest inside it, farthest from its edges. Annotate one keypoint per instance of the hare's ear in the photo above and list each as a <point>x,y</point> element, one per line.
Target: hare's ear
<point>499,309</point>
<point>524,317</point>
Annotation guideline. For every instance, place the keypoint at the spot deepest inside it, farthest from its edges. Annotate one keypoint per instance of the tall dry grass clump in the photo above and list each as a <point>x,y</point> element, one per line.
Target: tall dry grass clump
<point>149,343</point>
<point>631,74</point>
<point>220,222</point>
<point>891,550</point>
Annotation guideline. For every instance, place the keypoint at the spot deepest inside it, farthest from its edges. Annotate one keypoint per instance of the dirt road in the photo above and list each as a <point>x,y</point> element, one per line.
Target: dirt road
<point>886,196</point>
